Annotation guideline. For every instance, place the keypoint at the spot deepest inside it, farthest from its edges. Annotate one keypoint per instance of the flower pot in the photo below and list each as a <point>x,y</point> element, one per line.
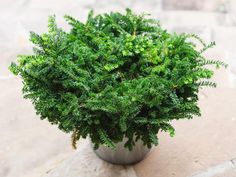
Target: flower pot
<point>121,155</point>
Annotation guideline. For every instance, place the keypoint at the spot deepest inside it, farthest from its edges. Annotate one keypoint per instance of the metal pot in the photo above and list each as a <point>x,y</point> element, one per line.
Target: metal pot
<point>121,155</point>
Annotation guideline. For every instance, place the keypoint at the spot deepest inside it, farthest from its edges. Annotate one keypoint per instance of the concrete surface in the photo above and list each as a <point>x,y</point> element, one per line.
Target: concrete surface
<point>202,147</point>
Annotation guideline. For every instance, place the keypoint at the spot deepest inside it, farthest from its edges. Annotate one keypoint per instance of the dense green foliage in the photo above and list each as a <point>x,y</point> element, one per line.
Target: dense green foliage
<point>113,76</point>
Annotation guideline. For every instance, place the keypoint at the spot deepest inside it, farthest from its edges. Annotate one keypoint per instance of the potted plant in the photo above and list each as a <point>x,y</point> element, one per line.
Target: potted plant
<point>118,79</point>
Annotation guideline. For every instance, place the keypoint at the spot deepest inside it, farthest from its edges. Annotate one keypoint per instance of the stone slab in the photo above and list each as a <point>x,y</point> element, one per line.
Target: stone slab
<point>224,37</point>
<point>231,59</point>
<point>204,32</point>
<point>188,18</point>
<point>84,163</point>
<point>228,173</point>
<point>30,147</point>
<point>218,170</point>
<point>199,143</point>
<point>26,142</point>
<point>203,5</point>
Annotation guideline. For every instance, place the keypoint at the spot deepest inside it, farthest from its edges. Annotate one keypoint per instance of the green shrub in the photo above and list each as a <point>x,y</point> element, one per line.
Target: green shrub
<point>114,76</point>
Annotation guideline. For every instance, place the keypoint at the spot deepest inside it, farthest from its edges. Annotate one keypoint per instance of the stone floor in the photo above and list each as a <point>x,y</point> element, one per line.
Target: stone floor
<point>202,147</point>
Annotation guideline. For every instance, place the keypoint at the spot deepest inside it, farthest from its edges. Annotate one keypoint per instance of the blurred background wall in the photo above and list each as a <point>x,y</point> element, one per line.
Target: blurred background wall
<point>29,146</point>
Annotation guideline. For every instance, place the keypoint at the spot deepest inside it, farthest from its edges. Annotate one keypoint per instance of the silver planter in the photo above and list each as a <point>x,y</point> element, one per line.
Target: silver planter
<point>121,155</point>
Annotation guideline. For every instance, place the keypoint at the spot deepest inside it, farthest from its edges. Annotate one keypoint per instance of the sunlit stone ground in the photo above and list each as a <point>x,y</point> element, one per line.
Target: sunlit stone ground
<point>203,147</point>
